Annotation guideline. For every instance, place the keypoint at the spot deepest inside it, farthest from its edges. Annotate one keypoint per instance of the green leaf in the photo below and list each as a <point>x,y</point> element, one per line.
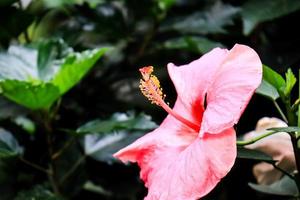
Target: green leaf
<point>123,130</point>
<point>290,82</point>
<point>75,66</point>
<point>251,154</point>
<point>36,79</point>
<point>102,147</point>
<point>9,146</point>
<point>27,124</point>
<point>192,43</point>
<point>10,109</point>
<point>283,187</point>
<point>267,90</point>
<point>37,192</point>
<point>39,96</point>
<point>273,78</point>
<point>50,53</point>
<point>203,22</point>
<point>19,63</point>
<point>289,129</point>
<point>257,11</point>
<point>118,121</point>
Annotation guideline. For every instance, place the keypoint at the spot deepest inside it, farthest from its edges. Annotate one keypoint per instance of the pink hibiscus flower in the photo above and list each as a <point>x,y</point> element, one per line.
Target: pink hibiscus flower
<point>195,146</point>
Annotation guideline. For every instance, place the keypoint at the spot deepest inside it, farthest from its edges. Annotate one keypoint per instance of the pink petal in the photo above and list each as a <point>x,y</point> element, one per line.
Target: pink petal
<point>192,80</point>
<point>171,132</point>
<point>182,172</point>
<point>237,78</point>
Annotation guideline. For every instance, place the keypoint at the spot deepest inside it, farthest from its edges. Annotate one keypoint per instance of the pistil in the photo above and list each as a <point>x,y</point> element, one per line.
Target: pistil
<point>150,87</point>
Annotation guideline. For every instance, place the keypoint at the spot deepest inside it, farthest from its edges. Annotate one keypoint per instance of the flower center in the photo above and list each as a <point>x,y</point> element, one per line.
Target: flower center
<point>150,87</point>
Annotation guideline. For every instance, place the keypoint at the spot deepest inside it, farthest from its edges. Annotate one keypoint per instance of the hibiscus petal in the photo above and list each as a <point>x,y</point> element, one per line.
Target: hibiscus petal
<point>192,80</point>
<point>176,172</point>
<point>236,80</point>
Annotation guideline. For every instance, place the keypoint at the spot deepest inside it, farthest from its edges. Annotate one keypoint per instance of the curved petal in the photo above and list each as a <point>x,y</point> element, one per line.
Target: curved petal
<point>171,133</point>
<point>234,83</point>
<point>198,166</point>
<point>192,80</point>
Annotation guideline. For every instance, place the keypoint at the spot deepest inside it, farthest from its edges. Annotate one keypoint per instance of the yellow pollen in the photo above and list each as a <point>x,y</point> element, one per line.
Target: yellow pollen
<point>150,86</point>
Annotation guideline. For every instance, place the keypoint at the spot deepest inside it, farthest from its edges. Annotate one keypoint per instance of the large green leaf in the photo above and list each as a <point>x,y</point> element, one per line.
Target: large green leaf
<point>9,146</point>
<point>118,121</point>
<point>33,96</point>
<point>211,21</point>
<point>37,77</point>
<point>75,66</point>
<point>102,147</point>
<point>108,138</point>
<point>50,54</point>
<point>267,90</point>
<point>257,11</point>
<point>251,154</point>
<point>19,63</point>
<point>283,187</point>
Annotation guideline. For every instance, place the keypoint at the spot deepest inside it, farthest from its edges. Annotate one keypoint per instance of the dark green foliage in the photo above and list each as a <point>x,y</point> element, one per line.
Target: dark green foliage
<point>50,93</point>
<point>253,155</point>
<point>283,187</point>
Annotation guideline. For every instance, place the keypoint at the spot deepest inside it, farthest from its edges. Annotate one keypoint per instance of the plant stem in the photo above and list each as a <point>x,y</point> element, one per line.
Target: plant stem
<point>253,140</point>
<point>33,165</point>
<point>292,121</point>
<point>47,122</point>
<point>297,157</point>
<point>72,170</point>
<point>62,150</point>
<point>280,111</point>
<point>295,106</point>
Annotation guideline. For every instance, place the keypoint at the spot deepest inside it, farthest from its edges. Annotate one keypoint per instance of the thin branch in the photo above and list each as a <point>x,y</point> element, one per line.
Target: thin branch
<point>296,104</point>
<point>63,149</point>
<point>72,170</point>
<point>33,165</point>
<point>283,171</point>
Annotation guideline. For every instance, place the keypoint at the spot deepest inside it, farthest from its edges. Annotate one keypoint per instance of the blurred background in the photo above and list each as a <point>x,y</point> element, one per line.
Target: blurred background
<point>87,119</point>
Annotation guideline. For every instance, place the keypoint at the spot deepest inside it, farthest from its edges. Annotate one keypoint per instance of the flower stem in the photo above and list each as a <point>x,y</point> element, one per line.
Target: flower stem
<point>253,140</point>
<point>295,138</point>
<point>297,158</point>
<point>280,111</point>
